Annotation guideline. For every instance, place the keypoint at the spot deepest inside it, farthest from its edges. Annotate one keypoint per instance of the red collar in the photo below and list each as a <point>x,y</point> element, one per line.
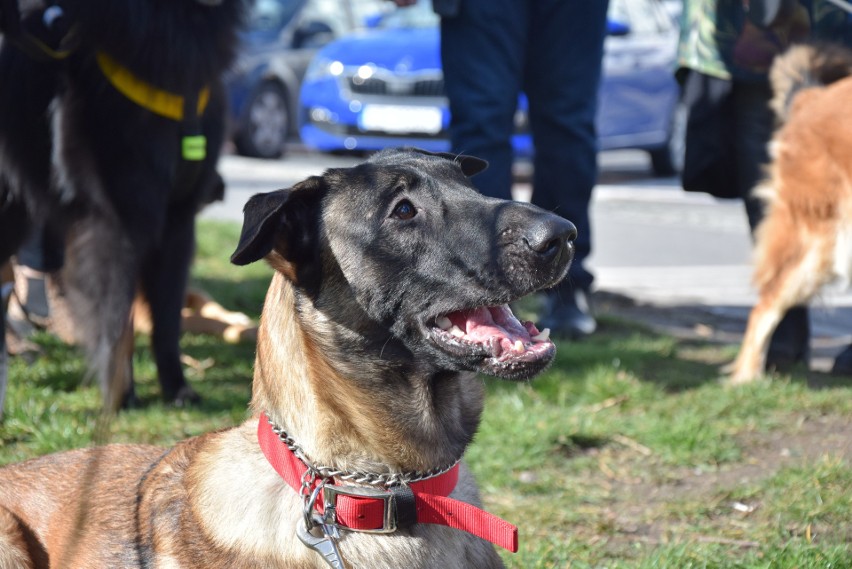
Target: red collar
<point>382,511</point>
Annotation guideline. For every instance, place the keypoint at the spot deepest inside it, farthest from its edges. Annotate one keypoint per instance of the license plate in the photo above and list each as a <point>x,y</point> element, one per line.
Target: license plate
<point>395,119</point>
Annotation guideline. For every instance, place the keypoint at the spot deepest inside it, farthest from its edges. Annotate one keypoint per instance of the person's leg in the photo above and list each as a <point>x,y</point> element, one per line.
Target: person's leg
<point>754,126</point>
<point>562,77</point>
<point>482,53</point>
<point>790,342</point>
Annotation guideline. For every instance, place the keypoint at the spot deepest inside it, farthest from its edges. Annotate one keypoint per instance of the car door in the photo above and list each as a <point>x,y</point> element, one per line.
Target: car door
<point>638,91</point>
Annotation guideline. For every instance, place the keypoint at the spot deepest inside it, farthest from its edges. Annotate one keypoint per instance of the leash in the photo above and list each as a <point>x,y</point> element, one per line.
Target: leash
<point>395,501</point>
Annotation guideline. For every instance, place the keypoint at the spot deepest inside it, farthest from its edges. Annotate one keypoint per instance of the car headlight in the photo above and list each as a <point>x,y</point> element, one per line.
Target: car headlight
<point>322,67</point>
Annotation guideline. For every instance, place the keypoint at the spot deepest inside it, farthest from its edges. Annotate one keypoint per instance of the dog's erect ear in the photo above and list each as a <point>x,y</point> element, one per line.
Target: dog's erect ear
<point>262,215</point>
<point>470,165</point>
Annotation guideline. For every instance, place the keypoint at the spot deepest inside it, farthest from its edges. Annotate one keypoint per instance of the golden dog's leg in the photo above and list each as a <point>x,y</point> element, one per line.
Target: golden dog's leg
<point>762,321</point>
<point>795,284</point>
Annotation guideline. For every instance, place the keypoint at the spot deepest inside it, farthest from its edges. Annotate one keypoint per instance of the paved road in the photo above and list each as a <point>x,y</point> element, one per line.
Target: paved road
<point>652,241</point>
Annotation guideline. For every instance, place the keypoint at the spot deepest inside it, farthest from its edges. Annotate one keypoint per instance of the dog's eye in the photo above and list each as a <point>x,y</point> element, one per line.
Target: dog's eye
<point>404,210</point>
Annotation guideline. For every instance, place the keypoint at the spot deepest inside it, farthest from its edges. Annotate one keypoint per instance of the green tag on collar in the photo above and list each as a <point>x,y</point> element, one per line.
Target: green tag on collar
<point>194,147</point>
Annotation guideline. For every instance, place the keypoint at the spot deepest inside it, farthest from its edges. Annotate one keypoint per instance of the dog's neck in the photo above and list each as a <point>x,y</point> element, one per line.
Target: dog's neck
<point>379,418</point>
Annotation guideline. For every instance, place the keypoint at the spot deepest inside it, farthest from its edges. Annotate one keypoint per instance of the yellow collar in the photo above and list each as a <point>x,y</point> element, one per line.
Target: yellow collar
<point>144,94</point>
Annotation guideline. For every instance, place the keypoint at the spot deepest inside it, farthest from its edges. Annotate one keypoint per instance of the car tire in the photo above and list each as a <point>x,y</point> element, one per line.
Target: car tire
<point>668,160</point>
<point>265,123</point>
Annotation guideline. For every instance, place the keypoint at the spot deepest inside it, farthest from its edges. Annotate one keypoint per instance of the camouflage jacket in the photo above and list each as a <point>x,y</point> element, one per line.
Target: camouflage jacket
<point>718,38</point>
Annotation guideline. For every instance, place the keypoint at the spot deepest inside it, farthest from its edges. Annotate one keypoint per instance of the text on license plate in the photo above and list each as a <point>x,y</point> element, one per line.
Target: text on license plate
<point>395,119</point>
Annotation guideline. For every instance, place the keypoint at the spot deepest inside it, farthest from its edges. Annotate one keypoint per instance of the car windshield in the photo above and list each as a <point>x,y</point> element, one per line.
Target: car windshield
<point>418,16</point>
<point>266,20</point>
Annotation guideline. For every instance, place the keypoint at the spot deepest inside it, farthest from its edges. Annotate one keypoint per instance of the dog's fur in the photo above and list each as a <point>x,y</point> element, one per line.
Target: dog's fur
<point>350,361</point>
<point>805,240</point>
<point>78,155</point>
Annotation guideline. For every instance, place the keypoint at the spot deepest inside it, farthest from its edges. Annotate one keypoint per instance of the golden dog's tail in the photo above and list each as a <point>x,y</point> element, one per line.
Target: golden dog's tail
<point>804,66</point>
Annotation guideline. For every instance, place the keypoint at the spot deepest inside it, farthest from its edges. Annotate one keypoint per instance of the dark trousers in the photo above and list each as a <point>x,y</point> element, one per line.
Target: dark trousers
<point>728,132</point>
<point>491,51</point>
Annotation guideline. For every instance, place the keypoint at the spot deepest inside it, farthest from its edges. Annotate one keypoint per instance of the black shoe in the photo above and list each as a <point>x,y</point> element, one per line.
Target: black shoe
<point>843,362</point>
<point>790,344</point>
<point>570,313</point>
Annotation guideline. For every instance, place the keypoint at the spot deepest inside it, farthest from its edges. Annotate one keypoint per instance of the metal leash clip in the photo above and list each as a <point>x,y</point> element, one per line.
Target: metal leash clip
<point>319,532</point>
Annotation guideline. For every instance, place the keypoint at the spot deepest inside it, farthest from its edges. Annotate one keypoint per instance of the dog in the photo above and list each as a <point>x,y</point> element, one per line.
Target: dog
<point>391,289</point>
<point>112,114</point>
<point>805,240</point>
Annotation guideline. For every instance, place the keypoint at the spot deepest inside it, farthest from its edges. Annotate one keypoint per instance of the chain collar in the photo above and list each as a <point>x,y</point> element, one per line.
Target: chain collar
<point>315,472</point>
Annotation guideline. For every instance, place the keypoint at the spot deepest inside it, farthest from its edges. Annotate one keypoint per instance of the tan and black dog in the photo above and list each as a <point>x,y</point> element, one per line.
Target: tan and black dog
<point>391,291</point>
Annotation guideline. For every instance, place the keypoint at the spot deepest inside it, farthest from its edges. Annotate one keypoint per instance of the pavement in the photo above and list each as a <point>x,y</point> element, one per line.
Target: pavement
<point>680,261</point>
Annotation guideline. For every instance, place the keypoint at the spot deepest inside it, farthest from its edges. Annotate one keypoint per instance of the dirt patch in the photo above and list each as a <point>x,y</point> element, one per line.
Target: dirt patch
<point>644,508</point>
<point>659,505</point>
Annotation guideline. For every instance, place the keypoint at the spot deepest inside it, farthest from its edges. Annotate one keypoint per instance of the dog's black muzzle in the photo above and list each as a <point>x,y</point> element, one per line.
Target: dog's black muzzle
<point>551,240</point>
<point>535,247</point>
<point>533,250</point>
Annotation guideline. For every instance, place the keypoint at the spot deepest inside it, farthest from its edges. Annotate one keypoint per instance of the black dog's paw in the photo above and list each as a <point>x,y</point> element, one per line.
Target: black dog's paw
<point>184,397</point>
<point>130,401</point>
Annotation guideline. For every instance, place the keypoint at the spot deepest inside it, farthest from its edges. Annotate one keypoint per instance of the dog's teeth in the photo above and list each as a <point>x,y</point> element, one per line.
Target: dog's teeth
<point>519,346</point>
<point>457,332</point>
<point>542,336</point>
<point>444,323</point>
<point>496,346</point>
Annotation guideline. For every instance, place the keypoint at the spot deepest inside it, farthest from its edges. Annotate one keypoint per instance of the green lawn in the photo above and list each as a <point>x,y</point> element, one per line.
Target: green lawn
<point>629,452</point>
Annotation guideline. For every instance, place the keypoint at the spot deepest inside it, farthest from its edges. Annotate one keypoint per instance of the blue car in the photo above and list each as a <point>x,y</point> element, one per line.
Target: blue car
<point>383,87</point>
<point>279,42</point>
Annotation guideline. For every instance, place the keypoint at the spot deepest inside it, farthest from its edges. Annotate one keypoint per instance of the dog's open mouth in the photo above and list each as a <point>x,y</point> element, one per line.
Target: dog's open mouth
<point>507,348</point>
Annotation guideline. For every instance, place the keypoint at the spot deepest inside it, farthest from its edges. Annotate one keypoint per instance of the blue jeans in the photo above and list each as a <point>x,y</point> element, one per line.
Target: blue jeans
<point>551,50</point>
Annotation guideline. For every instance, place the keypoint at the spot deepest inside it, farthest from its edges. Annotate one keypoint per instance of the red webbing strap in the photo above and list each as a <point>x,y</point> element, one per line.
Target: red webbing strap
<point>286,464</point>
<point>365,513</point>
<point>433,509</point>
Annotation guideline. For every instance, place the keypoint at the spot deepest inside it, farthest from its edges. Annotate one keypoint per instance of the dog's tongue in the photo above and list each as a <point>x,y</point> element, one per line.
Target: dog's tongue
<point>494,325</point>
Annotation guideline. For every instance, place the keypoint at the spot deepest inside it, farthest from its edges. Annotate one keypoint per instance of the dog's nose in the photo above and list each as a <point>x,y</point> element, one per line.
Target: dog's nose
<point>549,235</point>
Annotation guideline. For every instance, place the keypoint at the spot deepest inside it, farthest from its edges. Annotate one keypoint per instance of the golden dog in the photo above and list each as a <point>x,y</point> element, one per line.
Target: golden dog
<point>805,241</point>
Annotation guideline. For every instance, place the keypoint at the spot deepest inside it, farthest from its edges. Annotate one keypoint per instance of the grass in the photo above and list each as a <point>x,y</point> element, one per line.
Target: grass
<point>628,452</point>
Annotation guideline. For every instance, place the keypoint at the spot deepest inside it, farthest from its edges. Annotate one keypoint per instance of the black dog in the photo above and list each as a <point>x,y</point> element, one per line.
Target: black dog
<point>110,133</point>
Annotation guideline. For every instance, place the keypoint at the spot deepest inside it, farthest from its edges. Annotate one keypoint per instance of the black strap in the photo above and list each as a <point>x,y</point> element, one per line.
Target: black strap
<point>191,124</point>
<point>406,508</point>
<point>188,171</point>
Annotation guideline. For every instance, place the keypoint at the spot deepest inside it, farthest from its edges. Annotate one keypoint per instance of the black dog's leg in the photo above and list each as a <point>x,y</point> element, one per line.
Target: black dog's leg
<point>4,364</point>
<point>14,225</point>
<point>164,279</point>
<point>99,275</point>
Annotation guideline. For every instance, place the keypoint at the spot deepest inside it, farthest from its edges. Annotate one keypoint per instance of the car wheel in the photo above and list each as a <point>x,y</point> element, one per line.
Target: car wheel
<point>265,123</point>
<point>668,160</point>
